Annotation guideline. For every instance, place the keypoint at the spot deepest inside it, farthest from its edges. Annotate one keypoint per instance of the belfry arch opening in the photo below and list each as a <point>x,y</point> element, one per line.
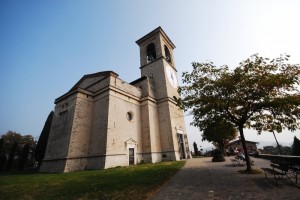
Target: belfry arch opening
<point>168,55</point>
<point>151,53</point>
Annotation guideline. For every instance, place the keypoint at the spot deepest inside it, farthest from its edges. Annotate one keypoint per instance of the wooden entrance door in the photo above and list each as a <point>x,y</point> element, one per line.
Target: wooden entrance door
<point>131,156</point>
<point>181,146</point>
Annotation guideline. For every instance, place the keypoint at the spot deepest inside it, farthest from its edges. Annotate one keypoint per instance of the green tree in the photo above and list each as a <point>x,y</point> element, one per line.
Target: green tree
<point>12,147</point>
<point>296,147</point>
<point>43,140</point>
<point>2,155</point>
<point>286,150</point>
<point>269,150</point>
<point>219,132</point>
<point>260,93</point>
<point>1,145</point>
<point>9,140</point>
<point>24,157</point>
<point>27,149</point>
<point>11,156</point>
<point>195,148</point>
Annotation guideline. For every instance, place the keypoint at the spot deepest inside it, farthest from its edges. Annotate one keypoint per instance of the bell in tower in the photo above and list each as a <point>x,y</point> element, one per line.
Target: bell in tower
<point>154,46</point>
<point>157,63</point>
<point>151,53</point>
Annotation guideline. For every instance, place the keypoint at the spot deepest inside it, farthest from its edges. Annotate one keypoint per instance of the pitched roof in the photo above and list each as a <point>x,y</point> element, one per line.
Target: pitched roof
<point>84,84</point>
<point>155,31</point>
<point>100,75</point>
<point>138,80</point>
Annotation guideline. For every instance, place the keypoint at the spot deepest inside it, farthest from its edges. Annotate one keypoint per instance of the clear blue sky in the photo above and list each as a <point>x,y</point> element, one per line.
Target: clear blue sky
<point>47,46</point>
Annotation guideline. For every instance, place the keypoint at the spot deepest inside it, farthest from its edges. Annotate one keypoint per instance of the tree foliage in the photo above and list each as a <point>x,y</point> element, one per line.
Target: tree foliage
<point>11,156</point>
<point>218,155</point>
<point>285,150</point>
<point>43,140</point>
<point>260,93</point>
<point>12,149</point>
<point>2,155</point>
<point>296,147</point>
<point>9,140</point>
<point>219,132</point>
<point>24,157</point>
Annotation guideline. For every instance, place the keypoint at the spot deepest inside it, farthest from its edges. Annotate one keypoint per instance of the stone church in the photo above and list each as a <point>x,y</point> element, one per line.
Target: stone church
<point>104,122</point>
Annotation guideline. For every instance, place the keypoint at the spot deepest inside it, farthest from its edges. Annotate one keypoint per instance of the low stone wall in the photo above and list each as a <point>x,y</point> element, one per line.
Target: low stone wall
<point>292,159</point>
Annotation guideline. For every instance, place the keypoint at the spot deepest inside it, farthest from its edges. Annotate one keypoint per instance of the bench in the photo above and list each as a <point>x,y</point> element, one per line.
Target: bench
<point>279,170</point>
<point>295,170</point>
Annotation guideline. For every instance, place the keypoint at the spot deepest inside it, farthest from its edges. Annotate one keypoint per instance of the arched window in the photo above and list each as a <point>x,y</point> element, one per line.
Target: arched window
<point>151,53</point>
<point>168,55</point>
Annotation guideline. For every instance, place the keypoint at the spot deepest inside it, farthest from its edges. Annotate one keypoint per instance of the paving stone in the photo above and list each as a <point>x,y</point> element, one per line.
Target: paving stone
<point>202,179</point>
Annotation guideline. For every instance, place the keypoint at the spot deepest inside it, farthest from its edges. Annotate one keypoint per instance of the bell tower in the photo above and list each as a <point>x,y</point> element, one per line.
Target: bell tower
<point>157,64</point>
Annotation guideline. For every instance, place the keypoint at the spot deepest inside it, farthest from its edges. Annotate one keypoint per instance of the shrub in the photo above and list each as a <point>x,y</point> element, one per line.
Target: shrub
<point>218,156</point>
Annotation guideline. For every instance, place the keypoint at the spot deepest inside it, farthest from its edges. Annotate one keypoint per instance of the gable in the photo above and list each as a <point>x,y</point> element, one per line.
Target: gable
<point>89,80</point>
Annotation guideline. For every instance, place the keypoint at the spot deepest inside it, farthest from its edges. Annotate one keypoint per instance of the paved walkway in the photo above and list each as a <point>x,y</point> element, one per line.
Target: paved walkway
<point>202,179</point>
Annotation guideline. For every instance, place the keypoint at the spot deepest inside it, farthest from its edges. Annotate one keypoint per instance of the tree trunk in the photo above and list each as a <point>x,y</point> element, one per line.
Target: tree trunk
<point>248,162</point>
<point>277,144</point>
<point>221,146</point>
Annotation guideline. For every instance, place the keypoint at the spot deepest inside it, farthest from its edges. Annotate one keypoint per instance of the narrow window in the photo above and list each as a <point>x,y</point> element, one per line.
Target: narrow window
<point>151,53</point>
<point>168,55</point>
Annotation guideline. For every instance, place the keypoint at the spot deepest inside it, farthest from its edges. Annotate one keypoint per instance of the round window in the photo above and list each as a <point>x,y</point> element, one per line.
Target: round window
<point>129,116</point>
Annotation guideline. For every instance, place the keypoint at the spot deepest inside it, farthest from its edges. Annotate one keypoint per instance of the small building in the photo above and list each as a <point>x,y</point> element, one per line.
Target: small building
<point>237,144</point>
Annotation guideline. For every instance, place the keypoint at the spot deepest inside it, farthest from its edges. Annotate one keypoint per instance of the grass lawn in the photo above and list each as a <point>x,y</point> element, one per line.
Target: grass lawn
<point>136,182</point>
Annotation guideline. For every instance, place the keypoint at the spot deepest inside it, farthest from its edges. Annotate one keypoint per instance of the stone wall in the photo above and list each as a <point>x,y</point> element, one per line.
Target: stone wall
<point>123,123</point>
<point>59,137</point>
<point>80,134</point>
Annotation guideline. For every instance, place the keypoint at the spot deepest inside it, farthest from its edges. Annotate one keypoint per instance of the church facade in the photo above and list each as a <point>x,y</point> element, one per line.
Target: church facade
<point>104,122</point>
